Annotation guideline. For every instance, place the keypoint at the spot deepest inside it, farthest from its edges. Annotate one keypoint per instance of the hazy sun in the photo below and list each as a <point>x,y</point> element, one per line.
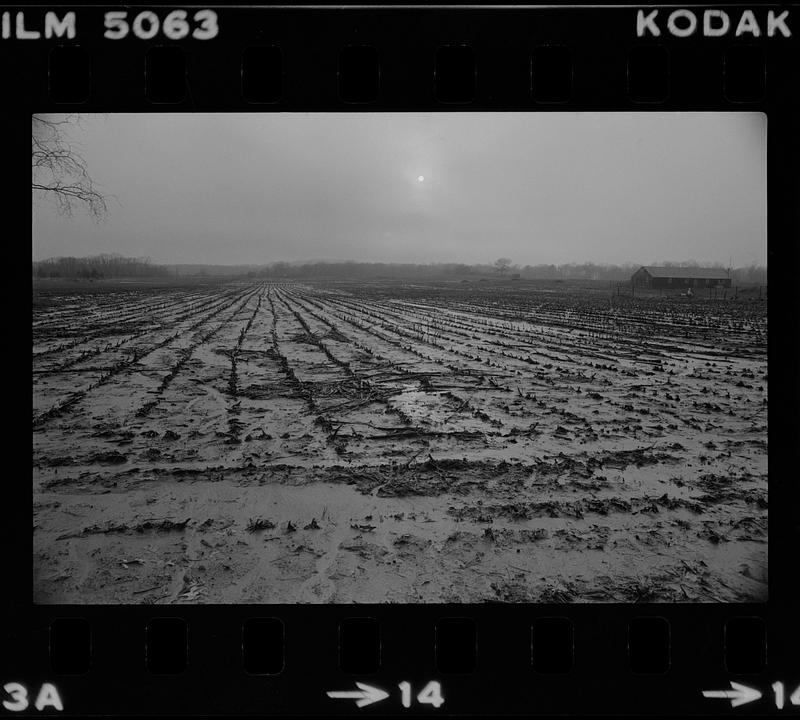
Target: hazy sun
<point>421,178</point>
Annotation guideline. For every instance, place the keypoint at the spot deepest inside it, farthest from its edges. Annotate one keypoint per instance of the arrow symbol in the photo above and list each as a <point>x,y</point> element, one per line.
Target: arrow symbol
<point>365,696</point>
<point>740,695</point>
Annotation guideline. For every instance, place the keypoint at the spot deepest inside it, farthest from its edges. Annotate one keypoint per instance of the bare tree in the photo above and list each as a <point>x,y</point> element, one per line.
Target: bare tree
<point>59,170</point>
<point>502,265</point>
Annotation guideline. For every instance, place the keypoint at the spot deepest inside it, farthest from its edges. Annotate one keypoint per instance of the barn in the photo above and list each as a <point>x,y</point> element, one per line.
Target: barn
<point>653,276</point>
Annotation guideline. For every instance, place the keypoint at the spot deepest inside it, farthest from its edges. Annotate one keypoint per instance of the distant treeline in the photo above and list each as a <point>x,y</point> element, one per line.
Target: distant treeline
<point>117,266</point>
<point>569,271</point>
<point>364,271</point>
<point>97,267</point>
<point>752,274</point>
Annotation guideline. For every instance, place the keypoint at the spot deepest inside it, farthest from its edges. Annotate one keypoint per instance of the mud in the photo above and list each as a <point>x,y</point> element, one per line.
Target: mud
<point>267,443</point>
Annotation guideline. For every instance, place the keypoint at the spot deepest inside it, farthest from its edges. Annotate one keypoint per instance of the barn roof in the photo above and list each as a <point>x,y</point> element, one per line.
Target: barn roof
<point>686,272</point>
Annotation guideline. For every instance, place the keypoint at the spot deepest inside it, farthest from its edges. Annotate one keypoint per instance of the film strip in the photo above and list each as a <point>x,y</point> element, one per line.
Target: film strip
<point>559,651</point>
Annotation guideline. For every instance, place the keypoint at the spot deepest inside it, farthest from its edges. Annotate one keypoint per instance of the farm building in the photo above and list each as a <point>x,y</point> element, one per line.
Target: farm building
<point>679,277</point>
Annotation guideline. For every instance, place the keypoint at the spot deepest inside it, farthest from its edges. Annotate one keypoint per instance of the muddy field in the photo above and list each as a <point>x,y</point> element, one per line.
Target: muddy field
<point>461,442</point>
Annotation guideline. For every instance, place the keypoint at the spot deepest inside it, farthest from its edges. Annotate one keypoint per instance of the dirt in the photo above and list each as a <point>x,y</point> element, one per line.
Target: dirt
<point>286,443</point>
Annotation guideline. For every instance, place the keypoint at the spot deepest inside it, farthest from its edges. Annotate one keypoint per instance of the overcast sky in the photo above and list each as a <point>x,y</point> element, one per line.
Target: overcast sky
<point>421,187</point>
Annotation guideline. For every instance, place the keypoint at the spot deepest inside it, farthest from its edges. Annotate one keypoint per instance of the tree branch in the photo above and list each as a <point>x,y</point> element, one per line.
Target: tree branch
<point>59,171</point>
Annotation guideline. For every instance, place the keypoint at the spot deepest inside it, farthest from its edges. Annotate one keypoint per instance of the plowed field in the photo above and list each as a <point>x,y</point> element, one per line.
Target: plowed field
<point>454,442</point>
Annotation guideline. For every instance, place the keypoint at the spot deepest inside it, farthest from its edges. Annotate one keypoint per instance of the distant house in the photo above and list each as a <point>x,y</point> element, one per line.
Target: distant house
<point>680,277</point>
<point>515,276</point>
